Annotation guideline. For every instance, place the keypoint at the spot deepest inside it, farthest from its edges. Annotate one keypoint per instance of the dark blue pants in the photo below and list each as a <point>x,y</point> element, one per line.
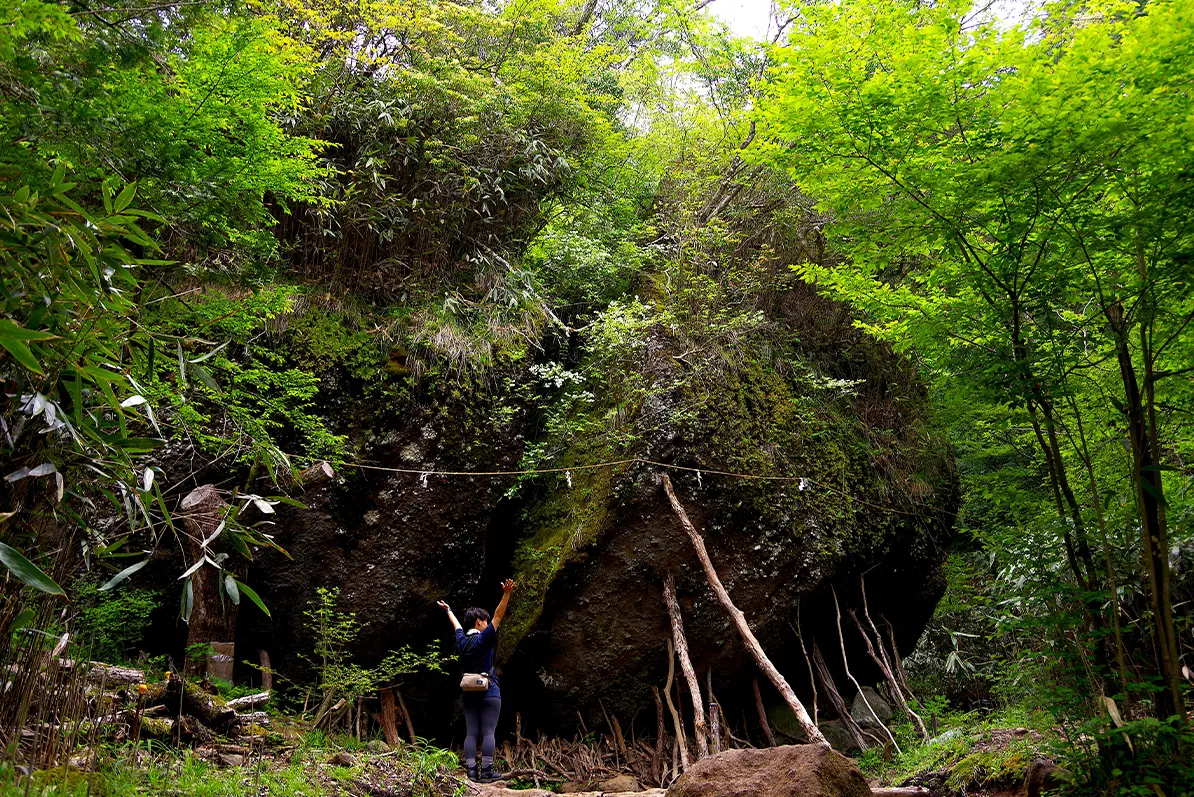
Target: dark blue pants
<point>480,719</point>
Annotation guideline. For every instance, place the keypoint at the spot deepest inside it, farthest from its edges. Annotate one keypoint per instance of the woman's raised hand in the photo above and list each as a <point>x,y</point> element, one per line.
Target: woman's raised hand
<point>508,586</point>
<point>443,606</point>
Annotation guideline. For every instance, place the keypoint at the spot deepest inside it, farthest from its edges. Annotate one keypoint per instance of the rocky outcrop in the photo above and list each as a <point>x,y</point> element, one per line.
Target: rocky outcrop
<point>845,480</point>
<point>590,624</point>
<point>794,771</point>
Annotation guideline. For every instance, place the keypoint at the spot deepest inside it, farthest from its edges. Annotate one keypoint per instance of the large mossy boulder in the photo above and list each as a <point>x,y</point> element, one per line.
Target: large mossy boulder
<point>818,498</point>
<point>804,467</point>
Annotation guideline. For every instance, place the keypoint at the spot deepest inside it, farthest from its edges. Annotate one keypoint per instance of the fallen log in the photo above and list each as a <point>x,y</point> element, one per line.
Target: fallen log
<point>183,697</point>
<point>785,689</point>
<point>97,671</point>
<point>249,701</point>
<point>252,718</point>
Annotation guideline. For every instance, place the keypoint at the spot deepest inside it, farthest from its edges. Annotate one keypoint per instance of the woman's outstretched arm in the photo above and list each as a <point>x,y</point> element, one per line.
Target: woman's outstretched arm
<point>451,617</point>
<point>500,611</point>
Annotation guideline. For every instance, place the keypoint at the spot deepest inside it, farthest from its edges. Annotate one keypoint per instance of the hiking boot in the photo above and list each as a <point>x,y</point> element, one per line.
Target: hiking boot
<point>489,776</point>
<point>472,773</point>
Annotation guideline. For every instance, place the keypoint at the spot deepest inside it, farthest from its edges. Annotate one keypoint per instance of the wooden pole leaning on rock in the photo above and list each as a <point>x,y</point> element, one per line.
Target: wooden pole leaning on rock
<point>762,713</point>
<point>785,689</point>
<point>835,698</point>
<point>885,668</point>
<point>676,721</point>
<point>700,729</point>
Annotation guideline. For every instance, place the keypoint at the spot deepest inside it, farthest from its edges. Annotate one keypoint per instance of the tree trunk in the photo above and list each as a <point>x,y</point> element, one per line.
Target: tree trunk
<point>389,719</point>
<point>213,619</point>
<point>806,722</point>
<point>1154,535</point>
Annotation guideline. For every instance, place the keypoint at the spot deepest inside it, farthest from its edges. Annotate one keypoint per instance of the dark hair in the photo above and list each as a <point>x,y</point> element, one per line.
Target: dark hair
<point>472,615</point>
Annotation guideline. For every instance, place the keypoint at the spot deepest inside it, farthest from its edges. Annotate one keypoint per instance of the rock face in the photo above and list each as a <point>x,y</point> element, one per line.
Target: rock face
<point>833,482</point>
<point>869,710</point>
<point>793,771</point>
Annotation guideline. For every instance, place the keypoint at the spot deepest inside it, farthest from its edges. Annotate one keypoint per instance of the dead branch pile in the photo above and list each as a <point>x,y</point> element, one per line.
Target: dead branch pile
<point>65,703</point>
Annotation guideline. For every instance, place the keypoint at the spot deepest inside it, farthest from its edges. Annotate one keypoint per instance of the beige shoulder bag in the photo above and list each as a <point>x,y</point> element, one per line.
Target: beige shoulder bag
<point>475,682</point>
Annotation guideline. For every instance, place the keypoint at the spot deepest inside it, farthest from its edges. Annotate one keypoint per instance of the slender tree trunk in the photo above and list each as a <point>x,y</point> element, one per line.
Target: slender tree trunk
<point>806,722</point>
<point>1150,502</point>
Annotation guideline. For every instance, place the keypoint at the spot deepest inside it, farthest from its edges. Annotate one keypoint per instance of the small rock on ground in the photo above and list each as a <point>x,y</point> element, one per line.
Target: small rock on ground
<point>343,760</point>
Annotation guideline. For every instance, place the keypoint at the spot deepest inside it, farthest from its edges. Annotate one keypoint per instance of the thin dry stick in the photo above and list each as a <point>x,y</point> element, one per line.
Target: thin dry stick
<point>700,729</point>
<point>660,738</point>
<point>812,679</point>
<point>903,693</point>
<point>842,639</point>
<point>895,655</point>
<point>806,722</point>
<point>667,693</point>
<point>885,667</point>
<point>762,713</point>
<point>835,698</point>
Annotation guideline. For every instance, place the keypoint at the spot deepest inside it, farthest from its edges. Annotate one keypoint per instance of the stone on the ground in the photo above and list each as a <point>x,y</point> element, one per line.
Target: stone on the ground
<point>879,708</point>
<point>231,759</point>
<point>620,784</point>
<point>1043,774</point>
<point>838,737</point>
<point>343,760</point>
<point>377,746</point>
<point>572,787</point>
<point>792,771</point>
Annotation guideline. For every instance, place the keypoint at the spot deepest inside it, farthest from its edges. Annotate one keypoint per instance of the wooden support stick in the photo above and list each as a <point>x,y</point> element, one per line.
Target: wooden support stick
<point>812,679</point>
<point>881,663</point>
<point>835,698</point>
<point>806,722</point>
<point>715,727</point>
<point>846,663</point>
<point>410,726</point>
<point>667,693</point>
<point>700,730</point>
<point>762,713</point>
<point>898,689</point>
<point>660,738</point>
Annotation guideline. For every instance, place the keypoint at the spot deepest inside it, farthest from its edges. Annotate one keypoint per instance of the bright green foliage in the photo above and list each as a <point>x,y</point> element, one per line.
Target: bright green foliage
<point>111,624</point>
<point>190,101</point>
<point>64,293</point>
<point>334,632</point>
<point>1013,207</point>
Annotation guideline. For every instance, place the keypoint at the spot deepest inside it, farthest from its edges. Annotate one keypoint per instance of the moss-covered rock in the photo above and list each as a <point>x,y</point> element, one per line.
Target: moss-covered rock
<point>814,503</point>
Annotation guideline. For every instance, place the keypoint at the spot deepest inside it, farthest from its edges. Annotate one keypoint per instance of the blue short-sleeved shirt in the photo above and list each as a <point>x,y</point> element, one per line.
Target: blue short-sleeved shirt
<point>476,650</point>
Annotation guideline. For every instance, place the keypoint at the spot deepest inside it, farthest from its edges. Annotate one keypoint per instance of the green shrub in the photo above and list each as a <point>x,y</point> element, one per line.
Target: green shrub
<point>112,624</point>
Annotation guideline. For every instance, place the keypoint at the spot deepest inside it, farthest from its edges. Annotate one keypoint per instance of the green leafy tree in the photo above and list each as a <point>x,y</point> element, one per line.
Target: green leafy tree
<point>1013,206</point>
